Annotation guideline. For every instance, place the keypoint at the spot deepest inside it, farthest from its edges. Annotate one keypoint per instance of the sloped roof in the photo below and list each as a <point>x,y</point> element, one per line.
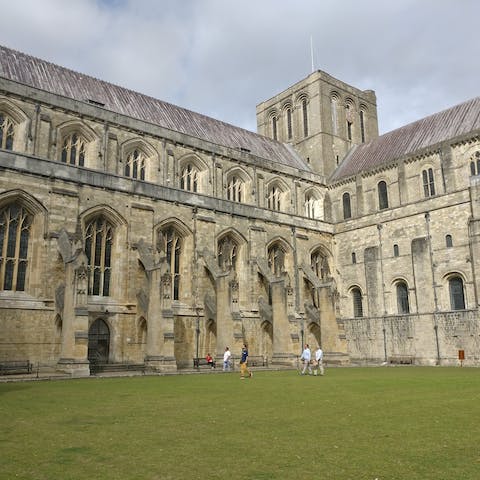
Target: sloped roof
<point>52,78</point>
<point>439,127</point>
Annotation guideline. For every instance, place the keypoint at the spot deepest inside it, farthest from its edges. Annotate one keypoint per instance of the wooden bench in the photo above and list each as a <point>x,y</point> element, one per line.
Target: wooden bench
<point>401,359</point>
<point>202,362</point>
<point>15,366</point>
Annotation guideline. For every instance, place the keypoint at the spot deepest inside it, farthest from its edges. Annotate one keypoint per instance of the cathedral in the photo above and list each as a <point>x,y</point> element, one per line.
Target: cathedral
<point>136,232</point>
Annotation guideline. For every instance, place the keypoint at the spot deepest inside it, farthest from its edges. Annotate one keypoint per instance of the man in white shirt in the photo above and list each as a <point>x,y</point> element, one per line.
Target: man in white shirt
<point>319,361</point>
<point>226,360</point>
<point>306,357</point>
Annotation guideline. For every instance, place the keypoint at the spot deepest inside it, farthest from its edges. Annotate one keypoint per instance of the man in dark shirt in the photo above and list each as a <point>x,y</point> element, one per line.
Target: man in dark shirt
<point>243,363</point>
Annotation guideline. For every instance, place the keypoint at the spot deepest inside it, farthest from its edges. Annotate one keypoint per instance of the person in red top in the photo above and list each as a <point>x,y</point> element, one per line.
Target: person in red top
<point>210,360</point>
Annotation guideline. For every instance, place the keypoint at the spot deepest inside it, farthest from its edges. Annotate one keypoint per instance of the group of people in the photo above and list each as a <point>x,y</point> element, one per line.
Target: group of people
<point>244,371</point>
<point>308,361</point>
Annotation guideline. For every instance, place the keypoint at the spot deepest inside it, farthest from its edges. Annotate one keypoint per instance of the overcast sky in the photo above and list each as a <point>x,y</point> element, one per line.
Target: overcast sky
<point>223,57</point>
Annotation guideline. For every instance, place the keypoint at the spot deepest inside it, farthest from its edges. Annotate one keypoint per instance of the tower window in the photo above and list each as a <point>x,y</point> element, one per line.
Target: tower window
<point>448,241</point>
<point>396,251</point>
<point>305,117</point>
<point>402,298</point>
<point>274,128</point>
<point>357,303</point>
<point>333,106</point>
<point>457,298</point>
<point>354,258</point>
<point>289,124</point>
<point>347,210</point>
<point>382,195</point>
<point>428,182</point>
<point>362,125</point>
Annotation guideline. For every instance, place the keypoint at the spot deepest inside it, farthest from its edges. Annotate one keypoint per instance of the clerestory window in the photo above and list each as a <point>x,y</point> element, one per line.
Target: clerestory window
<point>7,132</point>
<point>189,178</point>
<point>235,189</point>
<point>73,150</point>
<point>135,165</point>
<point>274,198</point>
<point>428,182</point>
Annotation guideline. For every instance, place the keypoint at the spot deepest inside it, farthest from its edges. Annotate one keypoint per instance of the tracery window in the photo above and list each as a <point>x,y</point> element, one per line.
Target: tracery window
<point>171,244</point>
<point>73,150</point>
<point>457,297</point>
<point>15,225</point>
<point>7,132</point>
<point>235,189</point>
<point>227,253</point>
<point>382,195</point>
<point>475,164</point>
<point>347,209</point>
<point>98,249</point>
<point>403,304</point>
<point>357,302</point>
<point>135,165</point>
<point>189,178</point>
<point>274,198</point>
<point>428,182</point>
<point>276,259</point>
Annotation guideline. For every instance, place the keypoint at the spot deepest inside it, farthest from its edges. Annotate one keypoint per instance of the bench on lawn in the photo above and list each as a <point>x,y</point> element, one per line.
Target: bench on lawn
<point>401,359</point>
<point>202,362</point>
<point>15,366</point>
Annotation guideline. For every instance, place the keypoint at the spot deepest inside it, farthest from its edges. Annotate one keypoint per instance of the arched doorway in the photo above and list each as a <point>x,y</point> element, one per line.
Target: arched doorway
<point>314,335</point>
<point>267,341</point>
<point>98,342</point>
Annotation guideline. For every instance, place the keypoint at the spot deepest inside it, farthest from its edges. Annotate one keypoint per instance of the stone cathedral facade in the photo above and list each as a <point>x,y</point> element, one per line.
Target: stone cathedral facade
<point>135,231</point>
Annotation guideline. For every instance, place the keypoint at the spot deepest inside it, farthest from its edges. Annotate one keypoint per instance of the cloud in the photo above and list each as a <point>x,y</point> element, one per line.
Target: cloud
<point>222,57</point>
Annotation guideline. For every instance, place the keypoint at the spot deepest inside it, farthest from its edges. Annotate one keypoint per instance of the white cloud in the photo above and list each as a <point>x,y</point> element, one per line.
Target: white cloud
<point>222,57</point>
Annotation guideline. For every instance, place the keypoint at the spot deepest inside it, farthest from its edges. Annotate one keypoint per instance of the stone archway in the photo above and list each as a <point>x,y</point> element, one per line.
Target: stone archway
<point>98,342</point>
<point>267,341</point>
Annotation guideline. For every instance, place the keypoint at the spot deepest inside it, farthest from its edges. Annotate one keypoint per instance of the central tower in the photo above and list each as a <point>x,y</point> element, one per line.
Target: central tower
<point>322,117</point>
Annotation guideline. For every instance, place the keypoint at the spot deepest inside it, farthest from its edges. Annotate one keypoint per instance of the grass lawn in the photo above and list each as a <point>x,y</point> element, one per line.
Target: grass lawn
<point>401,423</point>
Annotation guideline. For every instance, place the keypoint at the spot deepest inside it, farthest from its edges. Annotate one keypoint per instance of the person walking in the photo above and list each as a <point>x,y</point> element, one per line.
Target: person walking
<point>306,357</point>
<point>226,359</point>
<point>243,363</point>
<point>319,361</point>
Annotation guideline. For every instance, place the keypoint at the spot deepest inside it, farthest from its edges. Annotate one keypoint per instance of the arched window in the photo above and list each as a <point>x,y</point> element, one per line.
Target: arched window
<point>227,253</point>
<point>311,206</point>
<point>135,165</point>
<point>354,257</point>
<point>7,132</point>
<point>333,107</point>
<point>448,241</point>
<point>357,303</point>
<point>396,251</point>
<point>347,209</point>
<point>382,195</point>
<point>288,113</point>
<point>403,304</point>
<point>276,259</point>
<point>305,117</point>
<point>274,128</point>
<point>98,248</point>
<point>189,178</point>
<point>362,125</point>
<point>428,182</point>
<point>274,197</point>
<point>475,164</point>
<point>171,244</point>
<point>235,189</point>
<point>319,264</point>
<point>457,297</point>
<point>73,150</point>
<point>15,224</point>
<point>349,118</point>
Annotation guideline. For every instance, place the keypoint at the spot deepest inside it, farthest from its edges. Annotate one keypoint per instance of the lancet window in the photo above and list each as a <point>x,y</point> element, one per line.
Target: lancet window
<point>73,150</point>
<point>135,165</point>
<point>171,244</point>
<point>189,178</point>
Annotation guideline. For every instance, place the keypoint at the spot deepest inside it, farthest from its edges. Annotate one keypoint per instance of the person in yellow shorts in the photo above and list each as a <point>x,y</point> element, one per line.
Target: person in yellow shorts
<point>243,363</point>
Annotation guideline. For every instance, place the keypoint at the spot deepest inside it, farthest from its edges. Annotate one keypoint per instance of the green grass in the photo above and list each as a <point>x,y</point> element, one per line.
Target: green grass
<point>353,423</point>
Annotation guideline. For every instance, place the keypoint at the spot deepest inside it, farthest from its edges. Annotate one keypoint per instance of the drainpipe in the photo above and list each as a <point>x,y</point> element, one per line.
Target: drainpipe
<point>435,299</point>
